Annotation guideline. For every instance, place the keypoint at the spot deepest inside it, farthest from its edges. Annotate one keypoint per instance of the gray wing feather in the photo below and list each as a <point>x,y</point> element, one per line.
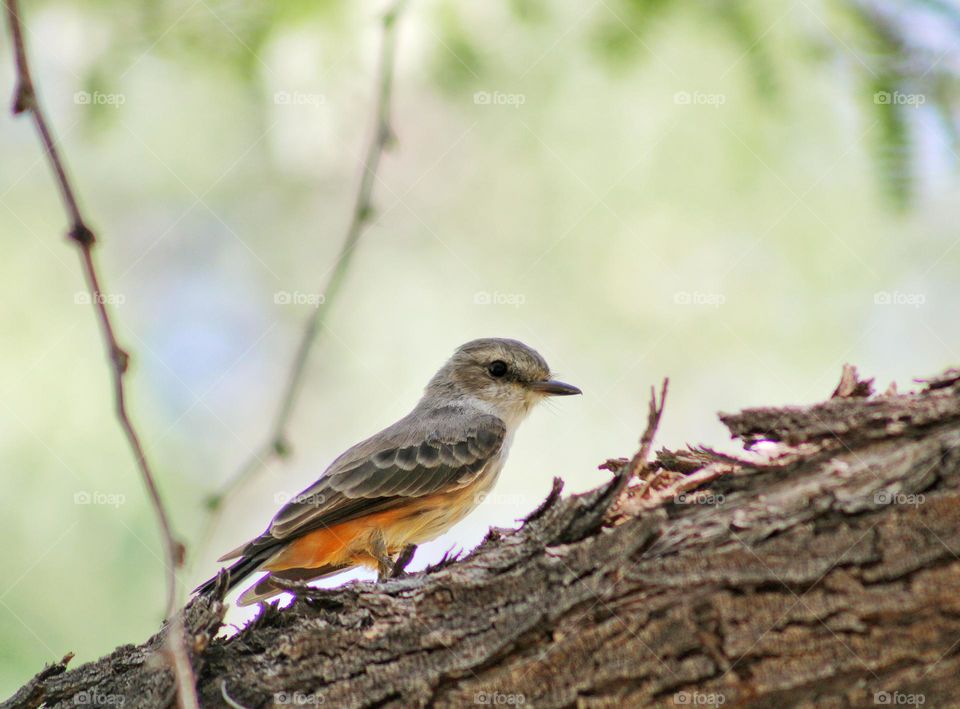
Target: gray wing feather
<point>422,454</point>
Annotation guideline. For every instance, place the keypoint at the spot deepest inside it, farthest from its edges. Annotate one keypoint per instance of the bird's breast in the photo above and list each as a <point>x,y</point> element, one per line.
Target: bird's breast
<point>434,515</point>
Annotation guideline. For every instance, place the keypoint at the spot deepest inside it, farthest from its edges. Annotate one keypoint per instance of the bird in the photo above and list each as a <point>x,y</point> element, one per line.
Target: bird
<point>407,484</point>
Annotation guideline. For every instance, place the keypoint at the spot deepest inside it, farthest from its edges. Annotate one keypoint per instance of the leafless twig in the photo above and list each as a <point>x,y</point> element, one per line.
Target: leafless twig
<point>25,101</point>
<point>638,464</point>
<point>277,445</point>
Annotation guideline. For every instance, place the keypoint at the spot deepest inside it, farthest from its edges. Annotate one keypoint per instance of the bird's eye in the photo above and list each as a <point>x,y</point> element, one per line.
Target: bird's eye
<point>497,368</point>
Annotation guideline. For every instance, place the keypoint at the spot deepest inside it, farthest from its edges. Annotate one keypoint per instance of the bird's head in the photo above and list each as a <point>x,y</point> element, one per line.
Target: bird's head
<point>504,376</point>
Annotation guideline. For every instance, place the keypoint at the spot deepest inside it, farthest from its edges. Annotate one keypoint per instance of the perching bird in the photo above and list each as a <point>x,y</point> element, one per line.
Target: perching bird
<point>409,483</point>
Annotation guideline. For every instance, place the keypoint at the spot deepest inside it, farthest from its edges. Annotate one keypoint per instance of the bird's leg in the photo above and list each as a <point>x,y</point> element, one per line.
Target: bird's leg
<point>403,558</point>
<point>378,550</point>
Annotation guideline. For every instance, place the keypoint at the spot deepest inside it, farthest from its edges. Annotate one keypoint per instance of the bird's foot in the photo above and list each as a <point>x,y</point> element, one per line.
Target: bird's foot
<point>405,556</point>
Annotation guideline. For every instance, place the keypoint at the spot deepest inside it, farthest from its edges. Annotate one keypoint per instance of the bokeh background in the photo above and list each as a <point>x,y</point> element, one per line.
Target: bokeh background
<point>742,195</point>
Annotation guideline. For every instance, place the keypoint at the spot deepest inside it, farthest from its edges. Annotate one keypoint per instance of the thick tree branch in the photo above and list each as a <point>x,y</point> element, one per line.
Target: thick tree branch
<point>26,101</point>
<point>818,574</point>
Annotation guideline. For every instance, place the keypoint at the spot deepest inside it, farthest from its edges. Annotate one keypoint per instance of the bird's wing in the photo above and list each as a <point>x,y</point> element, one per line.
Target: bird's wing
<point>443,450</point>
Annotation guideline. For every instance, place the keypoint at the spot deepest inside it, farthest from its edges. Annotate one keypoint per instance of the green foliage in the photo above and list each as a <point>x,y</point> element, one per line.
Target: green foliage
<point>621,31</point>
<point>457,62</point>
<point>532,12</point>
<point>747,29</point>
<point>868,37</point>
<point>872,43</point>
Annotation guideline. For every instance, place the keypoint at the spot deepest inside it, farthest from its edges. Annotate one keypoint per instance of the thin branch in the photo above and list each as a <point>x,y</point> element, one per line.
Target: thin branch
<point>638,464</point>
<point>363,211</point>
<point>25,101</point>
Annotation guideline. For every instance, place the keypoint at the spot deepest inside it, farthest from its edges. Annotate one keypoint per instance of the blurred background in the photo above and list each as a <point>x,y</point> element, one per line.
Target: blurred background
<point>742,195</point>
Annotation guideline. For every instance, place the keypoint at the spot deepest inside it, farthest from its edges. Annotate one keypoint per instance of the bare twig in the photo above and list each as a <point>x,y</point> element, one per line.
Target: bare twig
<point>25,101</point>
<point>638,464</point>
<point>555,489</point>
<point>277,445</point>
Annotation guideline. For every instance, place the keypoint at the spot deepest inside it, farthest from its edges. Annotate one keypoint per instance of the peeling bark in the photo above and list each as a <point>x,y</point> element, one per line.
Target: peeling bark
<point>824,574</point>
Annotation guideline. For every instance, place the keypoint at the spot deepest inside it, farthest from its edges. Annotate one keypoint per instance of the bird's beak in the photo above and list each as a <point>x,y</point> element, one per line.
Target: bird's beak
<point>552,387</point>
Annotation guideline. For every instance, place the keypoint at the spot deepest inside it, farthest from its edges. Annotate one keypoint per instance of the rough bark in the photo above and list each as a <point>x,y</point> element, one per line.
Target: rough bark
<point>823,573</point>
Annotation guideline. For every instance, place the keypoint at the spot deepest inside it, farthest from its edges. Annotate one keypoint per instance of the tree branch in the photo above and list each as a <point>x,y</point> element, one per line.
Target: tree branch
<point>822,576</point>
<point>26,101</point>
<point>638,464</point>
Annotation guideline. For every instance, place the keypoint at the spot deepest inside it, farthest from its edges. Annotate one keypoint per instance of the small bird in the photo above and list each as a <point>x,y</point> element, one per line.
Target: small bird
<point>409,483</point>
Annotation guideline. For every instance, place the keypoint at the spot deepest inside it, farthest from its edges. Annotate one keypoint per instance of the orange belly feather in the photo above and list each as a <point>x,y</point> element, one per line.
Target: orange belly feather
<point>348,543</point>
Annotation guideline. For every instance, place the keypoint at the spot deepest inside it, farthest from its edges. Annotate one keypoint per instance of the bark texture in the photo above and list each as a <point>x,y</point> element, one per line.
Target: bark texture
<point>821,572</point>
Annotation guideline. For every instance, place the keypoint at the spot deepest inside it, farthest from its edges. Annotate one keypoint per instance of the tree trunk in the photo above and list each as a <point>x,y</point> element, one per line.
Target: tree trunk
<point>823,572</point>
